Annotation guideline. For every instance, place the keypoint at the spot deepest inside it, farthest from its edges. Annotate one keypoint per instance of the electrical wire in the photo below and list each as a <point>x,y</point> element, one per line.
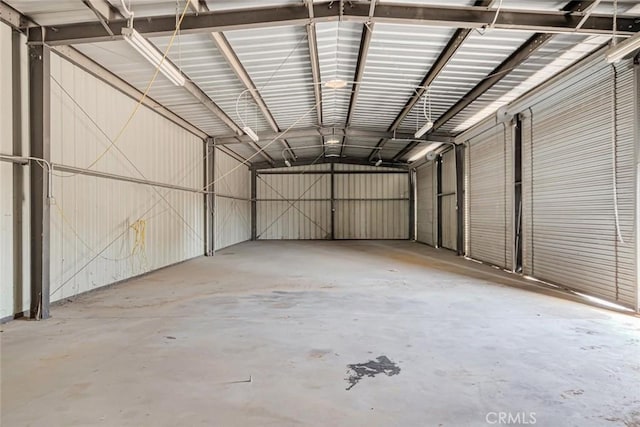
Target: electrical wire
<point>146,91</point>
<point>614,157</point>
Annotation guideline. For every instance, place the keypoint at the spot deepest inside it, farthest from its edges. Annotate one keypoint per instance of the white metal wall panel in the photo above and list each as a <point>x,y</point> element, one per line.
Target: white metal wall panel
<point>425,212</point>
<point>489,194</point>
<point>14,184</point>
<point>372,206</point>
<point>449,201</point>
<point>293,206</point>
<point>93,240</point>
<point>233,201</point>
<point>572,237</point>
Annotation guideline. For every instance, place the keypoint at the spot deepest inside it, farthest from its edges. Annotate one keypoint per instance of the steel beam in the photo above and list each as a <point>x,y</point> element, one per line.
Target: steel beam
<point>412,203</point>
<point>40,126</point>
<point>327,160</point>
<point>445,56</point>
<point>460,197</point>
<point>232,59</point>
<point>534,43</point>
<point>516,58</point>
<point>636,154</point>
<point>333,201</point>
<point>12,17</point>
<point>297,14</point>
<point>93,68</point>
<point>104,9</point>
<point>209,198</point>
<point>365,42</point>
<point>328,131</point>
<point>254,211</point>
<point>19,235</point>
<point>315,63</point>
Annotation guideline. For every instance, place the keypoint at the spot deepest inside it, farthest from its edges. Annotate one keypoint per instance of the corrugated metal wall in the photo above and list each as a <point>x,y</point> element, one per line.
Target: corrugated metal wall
<point>295,203</point>
<point>233,201</point>
<point>572,179</point>
<point>104,230</point>
<point>14,208</point>
<point>372,206</point>
<point>489,194</point>
<point>425,202</point>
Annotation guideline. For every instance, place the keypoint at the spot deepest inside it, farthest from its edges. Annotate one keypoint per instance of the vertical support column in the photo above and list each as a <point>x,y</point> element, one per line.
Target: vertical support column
<point>18,174</point>
<point>210,197</point>
<point>333,202</point>
<point>460,198</point>
<point>254,212</point>
<point>636,91</point>
<point>40,126</point>
<point>412,204</point>
<point>517,195</point>
<point>438,238</point>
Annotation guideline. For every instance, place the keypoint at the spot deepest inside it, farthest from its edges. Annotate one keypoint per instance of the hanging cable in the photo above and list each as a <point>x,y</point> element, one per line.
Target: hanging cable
<point>614,156</point>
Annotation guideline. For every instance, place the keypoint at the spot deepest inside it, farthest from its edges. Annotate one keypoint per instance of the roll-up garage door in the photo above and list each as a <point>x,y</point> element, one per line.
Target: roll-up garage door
<point>425,190</point>
<point>449,218</point>
<point>580,196</point>
<point>488,193</point>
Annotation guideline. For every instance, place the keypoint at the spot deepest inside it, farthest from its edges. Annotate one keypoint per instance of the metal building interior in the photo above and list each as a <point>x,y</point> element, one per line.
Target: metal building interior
<point>301,212</point>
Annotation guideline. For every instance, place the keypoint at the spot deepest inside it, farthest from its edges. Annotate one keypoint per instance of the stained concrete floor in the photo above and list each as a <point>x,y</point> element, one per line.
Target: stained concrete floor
<point>456,344</point>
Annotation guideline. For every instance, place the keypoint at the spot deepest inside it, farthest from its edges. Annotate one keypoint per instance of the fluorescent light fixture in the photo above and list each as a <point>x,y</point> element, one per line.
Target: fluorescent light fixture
<point>332,155</point>
<point>624,48</point>
<point>151,54</point>
<point>251,134</point>
<point>379,162</point>
<point>332,141</point>
<point>424,129</point>
<point>335,84</point>
<point>424,151</point>
<point>287,162</point>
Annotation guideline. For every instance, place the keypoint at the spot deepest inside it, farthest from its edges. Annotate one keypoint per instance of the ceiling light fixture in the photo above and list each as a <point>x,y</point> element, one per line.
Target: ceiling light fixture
<point>379,162</point>
<point>424,129</point>
<point>624,48</point>
<point>251,134</point>
<point>287,162</point>
<point>332,141</point>
<point>335,84</point>
<point>151,54</point>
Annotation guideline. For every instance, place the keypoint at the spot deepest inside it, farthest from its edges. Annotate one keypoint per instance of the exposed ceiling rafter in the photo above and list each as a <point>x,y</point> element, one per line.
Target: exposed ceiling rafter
<point>315,62</point>
<point>316,161</point>
<point>227,52</point>
<point>445,56</point>
<point>534,43</point>
<point>457,17</point>
<point>365,42</point>
<point>328,131</point>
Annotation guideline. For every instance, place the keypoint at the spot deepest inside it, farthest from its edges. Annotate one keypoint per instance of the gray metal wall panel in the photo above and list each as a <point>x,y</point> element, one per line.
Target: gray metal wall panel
<point>232,214</point>
<point>425,183</point>
<point>92,240</point>
<point>573,238</point>
<point>489,197</point>
<point>282,216</point>
<point>15,271</point>
<point>368,206</point>
<point>362,211</point>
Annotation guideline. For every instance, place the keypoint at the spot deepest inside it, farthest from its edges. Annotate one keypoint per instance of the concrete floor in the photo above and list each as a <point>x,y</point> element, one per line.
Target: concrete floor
<point>454,344</point>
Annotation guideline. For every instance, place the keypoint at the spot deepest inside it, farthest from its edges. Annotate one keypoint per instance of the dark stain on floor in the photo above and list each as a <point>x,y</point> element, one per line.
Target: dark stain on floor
<point>382,365</point>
